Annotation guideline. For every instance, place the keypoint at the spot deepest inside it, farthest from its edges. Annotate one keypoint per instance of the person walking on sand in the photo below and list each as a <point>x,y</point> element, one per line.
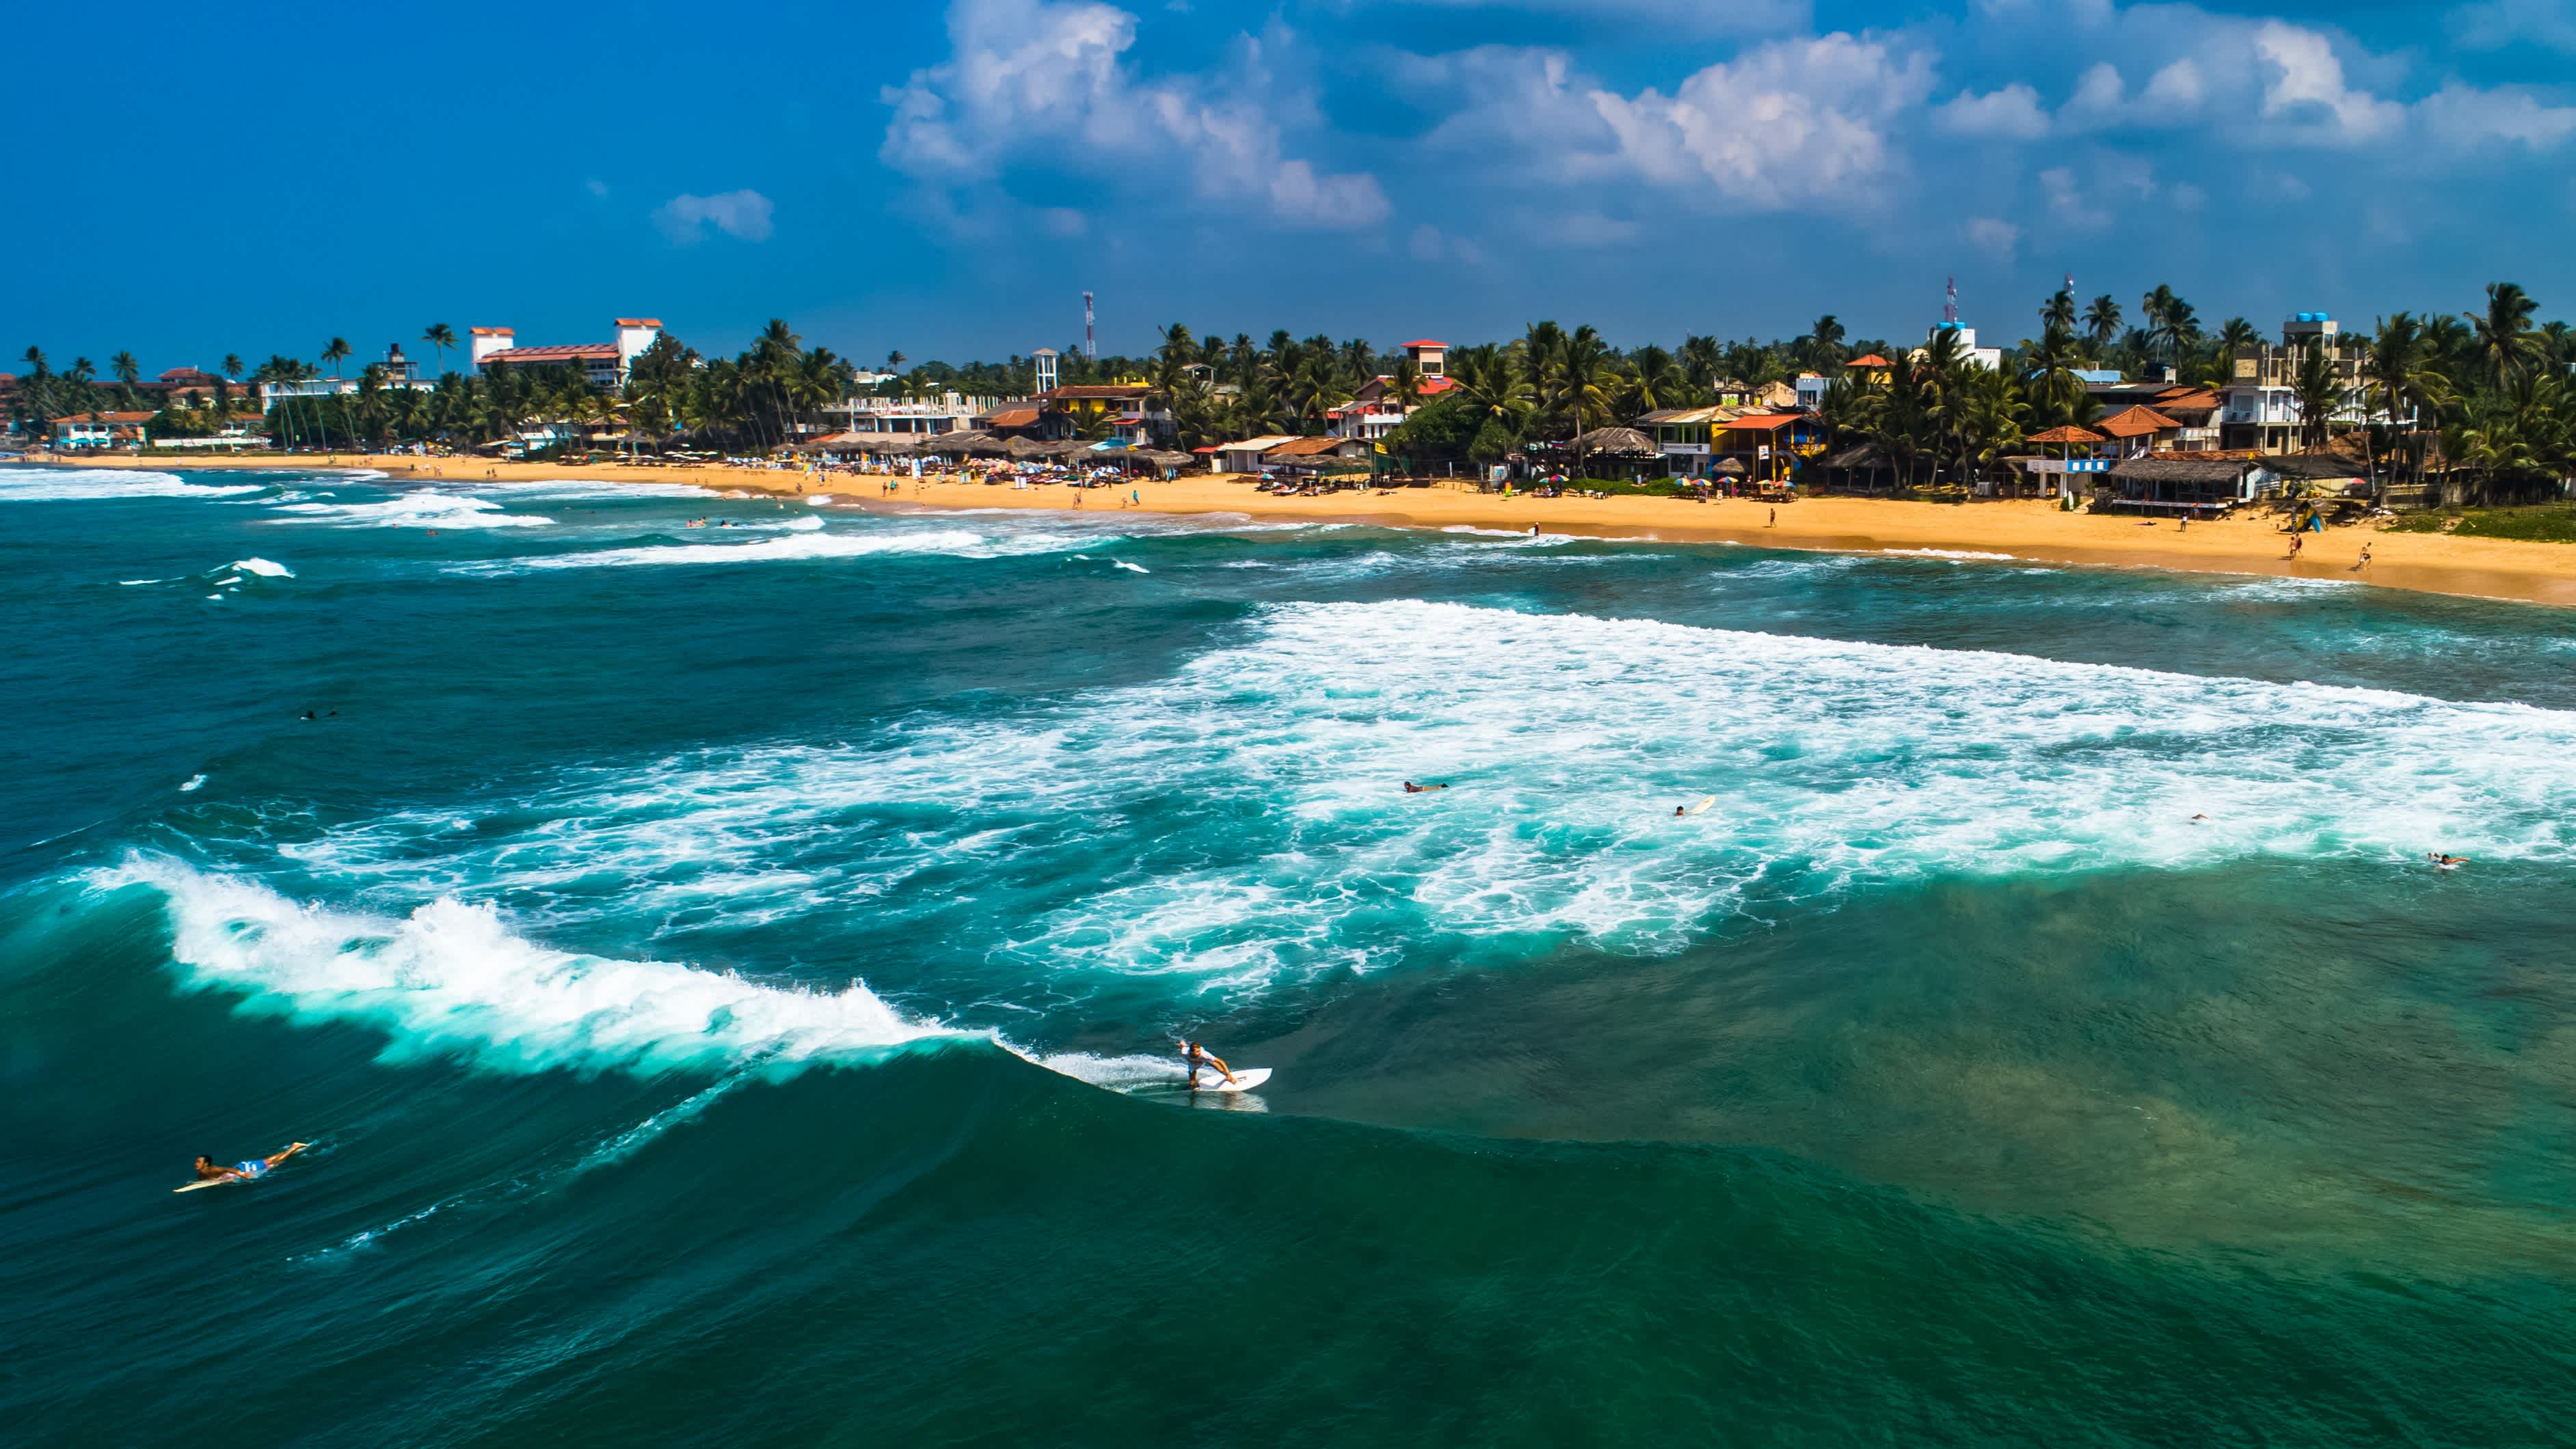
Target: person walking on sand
<point>2296,541</point>
<point>2365,559</point>
<point>1775,519</point>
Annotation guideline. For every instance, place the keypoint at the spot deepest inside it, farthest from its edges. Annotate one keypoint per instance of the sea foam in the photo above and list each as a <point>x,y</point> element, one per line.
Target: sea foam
<point>791,547</point>
<point>76,485</point>
<point>1241,819</point>
<point>425,509</point>
<point>452,979</point>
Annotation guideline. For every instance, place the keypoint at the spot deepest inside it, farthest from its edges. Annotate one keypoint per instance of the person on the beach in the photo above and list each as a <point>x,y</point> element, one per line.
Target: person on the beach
<point>1200,1057</point>
<point>1775,519</point>
<point>1411,788</point>
<point>2365,559</point>
<point>209,1170</point>
<point>2297,540</point>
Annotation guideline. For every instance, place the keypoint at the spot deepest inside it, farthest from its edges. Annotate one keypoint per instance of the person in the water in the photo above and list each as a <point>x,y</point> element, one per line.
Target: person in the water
<point>1199,1057</point>
<point>209,1170</point>
<point>1411,788</point>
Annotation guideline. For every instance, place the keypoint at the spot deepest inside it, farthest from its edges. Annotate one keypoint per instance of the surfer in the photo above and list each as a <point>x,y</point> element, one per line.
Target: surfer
<point>1411,788</point>
<point>209,1170</point>
<point>2448,861</point>
<point>1200,1057</point>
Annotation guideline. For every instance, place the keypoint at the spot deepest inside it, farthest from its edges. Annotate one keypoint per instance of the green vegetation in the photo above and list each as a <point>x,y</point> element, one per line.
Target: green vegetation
<point>2551,523</point>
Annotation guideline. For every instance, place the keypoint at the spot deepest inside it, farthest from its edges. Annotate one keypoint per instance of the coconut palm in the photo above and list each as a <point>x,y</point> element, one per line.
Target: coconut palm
<point>442,337</point>
<point>2318,391</point>
<point>2505,344</point>
<point>2102,321</point>
<point>334,353</point>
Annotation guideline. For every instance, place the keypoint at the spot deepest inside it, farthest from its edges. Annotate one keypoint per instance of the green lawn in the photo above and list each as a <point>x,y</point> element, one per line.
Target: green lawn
<point>2543,523</point>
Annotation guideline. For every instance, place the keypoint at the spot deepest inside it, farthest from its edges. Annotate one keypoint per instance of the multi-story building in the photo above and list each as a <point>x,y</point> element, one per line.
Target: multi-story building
<point>2259,406</point>
<point>604,364</point>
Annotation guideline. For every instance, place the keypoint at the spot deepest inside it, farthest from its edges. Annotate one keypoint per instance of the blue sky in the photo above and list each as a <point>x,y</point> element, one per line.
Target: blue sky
<point>949,179</point>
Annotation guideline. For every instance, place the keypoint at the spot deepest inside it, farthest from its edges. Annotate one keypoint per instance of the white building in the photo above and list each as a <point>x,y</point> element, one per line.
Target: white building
<point>1989,358</point>
<point>606,364</point>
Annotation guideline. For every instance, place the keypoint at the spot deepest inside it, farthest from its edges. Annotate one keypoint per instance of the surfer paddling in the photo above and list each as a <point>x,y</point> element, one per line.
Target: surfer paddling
<point>1411,788</point>
<point>1199,1057</point>
<point>209,1170</point>
<point>2446,861</point>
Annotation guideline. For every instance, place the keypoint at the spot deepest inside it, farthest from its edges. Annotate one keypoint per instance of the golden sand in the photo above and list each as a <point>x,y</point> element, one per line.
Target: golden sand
<point>2025,529</point>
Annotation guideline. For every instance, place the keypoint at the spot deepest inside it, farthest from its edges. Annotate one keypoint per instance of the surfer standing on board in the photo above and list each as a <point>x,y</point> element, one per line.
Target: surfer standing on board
<point>208,1170</point>
<point>1198,1056</point>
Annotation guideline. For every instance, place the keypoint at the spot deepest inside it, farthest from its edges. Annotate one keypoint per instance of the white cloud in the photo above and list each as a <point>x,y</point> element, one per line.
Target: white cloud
<point>741,214</point>
<point>2066,204</point>
<point>2500,23</point>
<point>2461,115</point>
<point>1430,244</point>
<point>2012,113</point>
<point>2303,85</point>
<point>1046,81</point>
<point>1785,124</point>
<point>1989,235</point>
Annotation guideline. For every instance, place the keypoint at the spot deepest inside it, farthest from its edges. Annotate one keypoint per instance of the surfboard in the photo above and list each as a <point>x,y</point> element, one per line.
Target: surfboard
<point>210,1182</point>
<point>1705,801</point>
<point>1244,1080</point>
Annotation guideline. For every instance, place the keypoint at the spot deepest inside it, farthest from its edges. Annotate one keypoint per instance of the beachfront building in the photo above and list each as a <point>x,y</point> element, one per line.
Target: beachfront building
<point>925,416</point>
<point>1769,446</point>
<point>1125,409</point>
<point>1246,456</point>
<point>1314,457</point>
<point>1429,358</point>
<point>1685,438</point>
<point>604,364</point>
<point>2185,485</point>
<point>2260,402</point>
<point>91,431</point>
<point>1377,409</point>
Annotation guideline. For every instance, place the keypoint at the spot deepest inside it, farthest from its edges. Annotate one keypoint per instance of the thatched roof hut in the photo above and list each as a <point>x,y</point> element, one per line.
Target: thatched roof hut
<point>1618,442</point>
<point>968,444</point>
<point>1025,449</point>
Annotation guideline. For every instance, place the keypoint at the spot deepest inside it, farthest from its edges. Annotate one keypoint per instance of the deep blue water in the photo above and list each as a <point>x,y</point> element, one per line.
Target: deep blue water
<point>726,973</point>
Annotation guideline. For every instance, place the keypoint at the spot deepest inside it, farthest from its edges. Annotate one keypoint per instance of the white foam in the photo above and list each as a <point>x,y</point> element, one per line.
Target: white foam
<point>191,783</point>
<point>80,485</point>
<point>1131,568</point>
<point>424,509</point>
<point>262,567</point>
<point>591,488</point>
<point>792,547</point>
<point>1953,554</point>
<point>818,500</point>
<point>451,979</point>
<point>1240,821</point>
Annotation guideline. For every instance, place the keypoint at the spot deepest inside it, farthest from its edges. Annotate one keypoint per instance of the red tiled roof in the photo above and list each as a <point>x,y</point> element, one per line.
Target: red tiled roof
<point>1425,342</point>
<point>490,332</point>
<point>2132,422</point>
<point>1870,359</point>
<point>572,352</point>
<point>639,322</point>
<point>1433,386</point>
<point>1016,418</point>
<point>1305,447</point>
<point>1760,424</point>
<point>2066,435</point>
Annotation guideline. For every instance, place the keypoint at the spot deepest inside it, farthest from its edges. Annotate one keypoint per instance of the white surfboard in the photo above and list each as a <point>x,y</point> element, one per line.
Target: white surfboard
<point>210,1182</point>
<point>1244,1080</point>
<point>1705,801</point>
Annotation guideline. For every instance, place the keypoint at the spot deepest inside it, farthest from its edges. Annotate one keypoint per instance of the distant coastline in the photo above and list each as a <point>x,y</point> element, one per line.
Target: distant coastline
<point>2026,530</point>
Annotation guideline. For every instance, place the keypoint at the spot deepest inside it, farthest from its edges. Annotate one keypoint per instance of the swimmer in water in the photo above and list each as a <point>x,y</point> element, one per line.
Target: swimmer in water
<point>1411,788</point>
<point>209,1170</point>
<point>2447,861</point>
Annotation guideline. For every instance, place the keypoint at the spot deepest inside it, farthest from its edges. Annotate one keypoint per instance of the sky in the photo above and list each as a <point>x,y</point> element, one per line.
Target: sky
<point>948,179</point>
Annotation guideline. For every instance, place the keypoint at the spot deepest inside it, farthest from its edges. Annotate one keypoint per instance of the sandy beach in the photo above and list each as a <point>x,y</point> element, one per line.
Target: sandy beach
<point>2023,529</point>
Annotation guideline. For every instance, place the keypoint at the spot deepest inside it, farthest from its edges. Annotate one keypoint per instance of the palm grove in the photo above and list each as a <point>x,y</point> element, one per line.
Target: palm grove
<point>2482,399</point>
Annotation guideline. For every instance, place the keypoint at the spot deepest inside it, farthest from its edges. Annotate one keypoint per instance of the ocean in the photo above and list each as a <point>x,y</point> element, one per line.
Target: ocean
<point>728,976</point>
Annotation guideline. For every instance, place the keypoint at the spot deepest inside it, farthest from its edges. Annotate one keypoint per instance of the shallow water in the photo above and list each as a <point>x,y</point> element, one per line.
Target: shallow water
<point>725,971</point>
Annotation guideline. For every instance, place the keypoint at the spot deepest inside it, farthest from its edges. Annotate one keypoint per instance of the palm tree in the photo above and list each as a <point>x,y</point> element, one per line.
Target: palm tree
<point>442,337</point>
<point>2318,390</point>
<point>334,353</point>
<point>2058,311</point>
<point>127,373</point>
<point>2505,345</point>
<point>233,365</point>
<point>2102,321</point>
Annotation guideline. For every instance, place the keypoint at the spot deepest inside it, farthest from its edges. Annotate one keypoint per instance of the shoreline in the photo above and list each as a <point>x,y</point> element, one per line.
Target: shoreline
<point>2021,530</point>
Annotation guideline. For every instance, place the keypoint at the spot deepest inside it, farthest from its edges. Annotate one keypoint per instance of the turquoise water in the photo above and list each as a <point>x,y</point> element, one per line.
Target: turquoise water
<point>725,973</point>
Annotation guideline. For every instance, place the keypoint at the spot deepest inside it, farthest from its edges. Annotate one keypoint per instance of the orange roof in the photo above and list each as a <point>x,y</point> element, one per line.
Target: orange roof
<point>2065,435</point>
<point>1425,342</point>
<point>1761,423</point>
<point>2131,422</point>
<point>490,332</point>
<point>573,352</point>
<point>1016,418</point>
<point>1869,359</point>
<point>1305,447</point>
<point>111,418</point>
<point>639,322</point>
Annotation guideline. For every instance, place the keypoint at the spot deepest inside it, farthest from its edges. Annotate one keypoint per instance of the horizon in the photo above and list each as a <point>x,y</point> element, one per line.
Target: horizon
<point>1441,168</point>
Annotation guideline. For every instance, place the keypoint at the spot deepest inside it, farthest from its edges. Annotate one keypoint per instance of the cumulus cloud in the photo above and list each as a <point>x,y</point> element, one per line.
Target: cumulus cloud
<point>1994,237</point>
<point>1048,81</point>
<point>2012,113</point>
<point>2304,86</point>
<point>740,214</point>
<point>2499,23</point>
<point>1785,124</point>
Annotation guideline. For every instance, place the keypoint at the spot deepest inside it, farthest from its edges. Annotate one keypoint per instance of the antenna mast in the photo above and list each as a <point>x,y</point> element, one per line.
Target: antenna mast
<point>1950,309</point>
<point>1090,346</point>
